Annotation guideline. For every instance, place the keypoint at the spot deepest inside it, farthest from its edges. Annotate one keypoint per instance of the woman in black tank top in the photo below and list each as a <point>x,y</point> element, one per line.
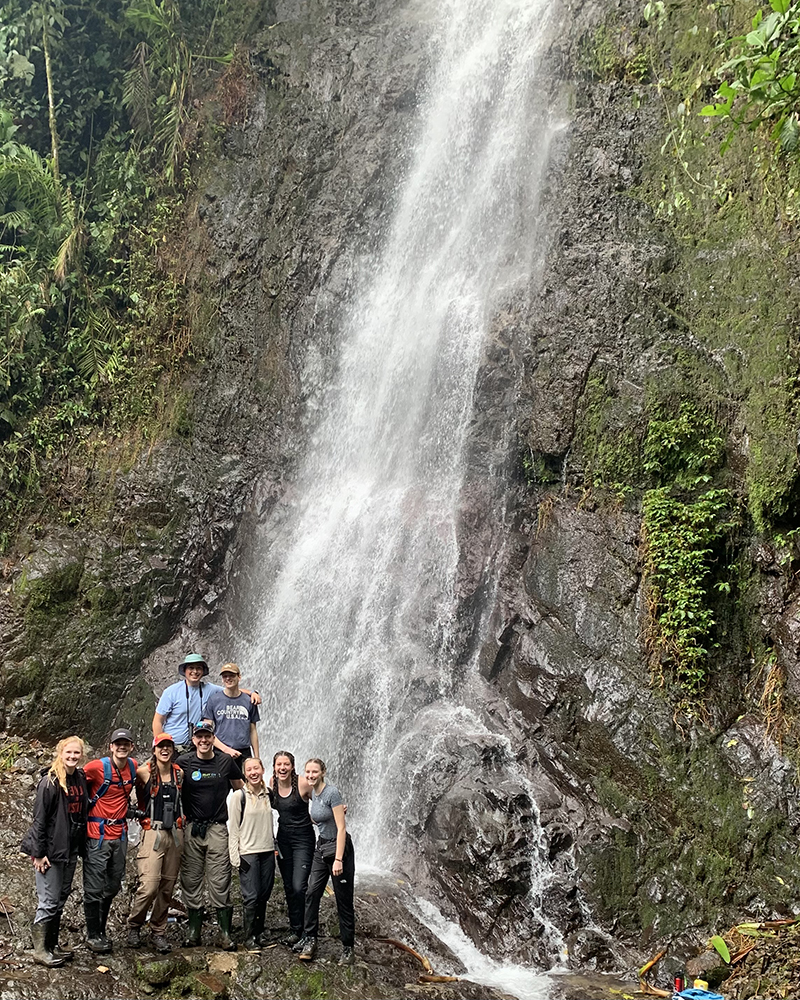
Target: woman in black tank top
<point>291,793</point>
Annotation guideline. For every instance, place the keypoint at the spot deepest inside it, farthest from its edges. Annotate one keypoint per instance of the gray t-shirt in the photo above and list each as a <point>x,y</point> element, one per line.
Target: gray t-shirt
<point>322,811</point>
<point>232,717</point>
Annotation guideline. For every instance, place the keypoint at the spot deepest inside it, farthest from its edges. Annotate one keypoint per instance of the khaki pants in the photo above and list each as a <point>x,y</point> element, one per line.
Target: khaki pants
<point>207,856</point>
<point>158,860</point>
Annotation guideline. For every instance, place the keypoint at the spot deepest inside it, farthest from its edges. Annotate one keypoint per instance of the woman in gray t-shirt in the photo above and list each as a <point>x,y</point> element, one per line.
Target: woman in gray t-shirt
<point>333,857</point>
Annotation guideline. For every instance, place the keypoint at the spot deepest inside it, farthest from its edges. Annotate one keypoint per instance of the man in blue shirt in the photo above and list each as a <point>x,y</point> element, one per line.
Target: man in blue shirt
<point>184,703</point>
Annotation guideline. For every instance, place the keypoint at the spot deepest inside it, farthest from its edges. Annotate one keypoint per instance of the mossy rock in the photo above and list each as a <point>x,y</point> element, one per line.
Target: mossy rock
<point>198,986</point>
<point>304,983</point>
<point>162,970</point>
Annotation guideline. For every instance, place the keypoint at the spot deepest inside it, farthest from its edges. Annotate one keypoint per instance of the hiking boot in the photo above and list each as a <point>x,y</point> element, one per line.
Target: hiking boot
<point>348,956</point>
<point>41,954</point>
<point>53,929</point>
<point>291,939</point>
<point>160,944</point>
<point>195,928</point>
<point>309,950</point>
<point>134,939</point>
<point>299,944</point>
<point>224,919</point>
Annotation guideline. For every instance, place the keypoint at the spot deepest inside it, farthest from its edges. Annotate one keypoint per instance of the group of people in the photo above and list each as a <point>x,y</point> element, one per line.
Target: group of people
<point>205,809</point>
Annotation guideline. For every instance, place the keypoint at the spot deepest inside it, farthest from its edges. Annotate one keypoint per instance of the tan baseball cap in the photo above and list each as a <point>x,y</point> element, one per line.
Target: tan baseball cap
<point>230,668</point>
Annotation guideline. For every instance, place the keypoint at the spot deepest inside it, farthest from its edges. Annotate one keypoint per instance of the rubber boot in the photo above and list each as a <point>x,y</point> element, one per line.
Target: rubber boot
<point>195,928</point>
<point>250,931</point>
<point>41,954</point>
<point>96,940</point>
<point>105,907</point>
<point>51,940</point>
<point>258,927</point>
<point>224,919</point>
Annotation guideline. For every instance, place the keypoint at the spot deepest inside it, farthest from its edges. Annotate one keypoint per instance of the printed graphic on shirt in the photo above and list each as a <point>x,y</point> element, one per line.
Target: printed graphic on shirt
<point>74,797</point>
<point>231,712</point>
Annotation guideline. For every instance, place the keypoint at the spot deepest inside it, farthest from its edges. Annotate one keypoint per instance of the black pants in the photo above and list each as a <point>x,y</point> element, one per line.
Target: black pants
<point>256,877</point>
<point>321,870</point>
<point>295,865</point>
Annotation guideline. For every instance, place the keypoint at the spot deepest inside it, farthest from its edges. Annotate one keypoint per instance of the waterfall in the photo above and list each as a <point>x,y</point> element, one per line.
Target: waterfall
<point>354,605</point>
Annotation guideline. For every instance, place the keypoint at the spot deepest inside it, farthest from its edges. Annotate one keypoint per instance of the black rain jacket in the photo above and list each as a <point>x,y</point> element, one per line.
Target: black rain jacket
<point>49,836</point>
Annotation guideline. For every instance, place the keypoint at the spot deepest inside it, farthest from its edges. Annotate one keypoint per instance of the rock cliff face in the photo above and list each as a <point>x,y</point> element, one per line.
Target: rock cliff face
<point>575,774</point>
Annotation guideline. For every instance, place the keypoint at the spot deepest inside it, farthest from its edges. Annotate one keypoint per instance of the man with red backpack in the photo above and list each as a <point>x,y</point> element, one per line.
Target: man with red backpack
<point>110,781</point>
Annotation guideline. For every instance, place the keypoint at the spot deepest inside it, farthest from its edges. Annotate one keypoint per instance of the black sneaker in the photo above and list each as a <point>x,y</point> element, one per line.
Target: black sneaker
<point>291,939</point>
<point>348,956</point>
<point>299,944</point>
<point>309,950</point>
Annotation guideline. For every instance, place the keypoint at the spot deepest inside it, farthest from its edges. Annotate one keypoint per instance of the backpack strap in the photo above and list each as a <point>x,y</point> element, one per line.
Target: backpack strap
<point>244,802</point>
<point>103,821</point>
<point>101,791</point>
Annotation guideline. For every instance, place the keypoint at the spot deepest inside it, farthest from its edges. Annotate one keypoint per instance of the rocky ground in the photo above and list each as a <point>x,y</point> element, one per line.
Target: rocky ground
<point>383,971</point>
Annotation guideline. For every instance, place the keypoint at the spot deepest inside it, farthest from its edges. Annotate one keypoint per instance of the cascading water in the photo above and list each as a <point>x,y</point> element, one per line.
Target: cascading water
<point>355,605</point>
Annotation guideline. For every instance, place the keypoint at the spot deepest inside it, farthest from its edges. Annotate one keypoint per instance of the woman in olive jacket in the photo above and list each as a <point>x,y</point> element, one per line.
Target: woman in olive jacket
<point>54,842</point>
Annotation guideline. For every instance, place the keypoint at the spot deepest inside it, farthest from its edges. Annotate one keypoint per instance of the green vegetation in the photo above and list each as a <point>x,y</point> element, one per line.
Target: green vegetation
<point>679,537</point>
<point>99,128</point>
<point>671,465</point>
<point>10,750</point>
<point>682,520</point>
<point>761,82</point>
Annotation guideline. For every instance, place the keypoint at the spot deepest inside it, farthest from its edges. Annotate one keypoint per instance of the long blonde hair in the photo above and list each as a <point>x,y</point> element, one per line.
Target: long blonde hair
<point>58,771</point>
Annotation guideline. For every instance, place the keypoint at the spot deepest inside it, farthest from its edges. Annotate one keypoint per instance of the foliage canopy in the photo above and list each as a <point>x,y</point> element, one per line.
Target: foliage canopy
<point>95,123</point>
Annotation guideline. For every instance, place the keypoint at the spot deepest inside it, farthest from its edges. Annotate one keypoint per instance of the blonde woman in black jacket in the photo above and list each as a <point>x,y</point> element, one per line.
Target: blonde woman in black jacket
<point>54,842</point>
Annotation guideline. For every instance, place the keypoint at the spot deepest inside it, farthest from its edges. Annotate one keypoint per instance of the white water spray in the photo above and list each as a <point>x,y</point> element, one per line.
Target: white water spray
<point>355,606</point>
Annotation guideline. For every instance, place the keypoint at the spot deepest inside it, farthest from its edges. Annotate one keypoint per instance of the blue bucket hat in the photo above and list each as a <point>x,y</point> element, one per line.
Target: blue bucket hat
<point>190,660</point>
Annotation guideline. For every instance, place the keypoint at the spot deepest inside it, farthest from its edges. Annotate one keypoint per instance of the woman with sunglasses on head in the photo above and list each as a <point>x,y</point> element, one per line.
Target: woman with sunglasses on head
<point>334,857</point>
<point>290,797</point>
<point>158,789</point>
<point>54,842</point>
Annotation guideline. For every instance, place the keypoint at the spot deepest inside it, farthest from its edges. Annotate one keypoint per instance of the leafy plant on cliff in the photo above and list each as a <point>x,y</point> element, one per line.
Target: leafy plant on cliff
<point>682,520</point>
<point>679,537</point>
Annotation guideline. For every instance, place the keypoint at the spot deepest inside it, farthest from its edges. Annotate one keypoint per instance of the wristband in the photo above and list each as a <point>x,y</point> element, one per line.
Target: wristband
<point>339,860</point>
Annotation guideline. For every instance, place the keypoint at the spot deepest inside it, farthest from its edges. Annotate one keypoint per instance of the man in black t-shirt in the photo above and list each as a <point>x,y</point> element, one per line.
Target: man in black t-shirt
<point>208,775</point>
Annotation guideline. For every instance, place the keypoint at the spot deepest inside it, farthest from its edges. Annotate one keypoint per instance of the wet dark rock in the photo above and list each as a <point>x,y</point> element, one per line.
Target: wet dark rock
<point>591,949</point>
